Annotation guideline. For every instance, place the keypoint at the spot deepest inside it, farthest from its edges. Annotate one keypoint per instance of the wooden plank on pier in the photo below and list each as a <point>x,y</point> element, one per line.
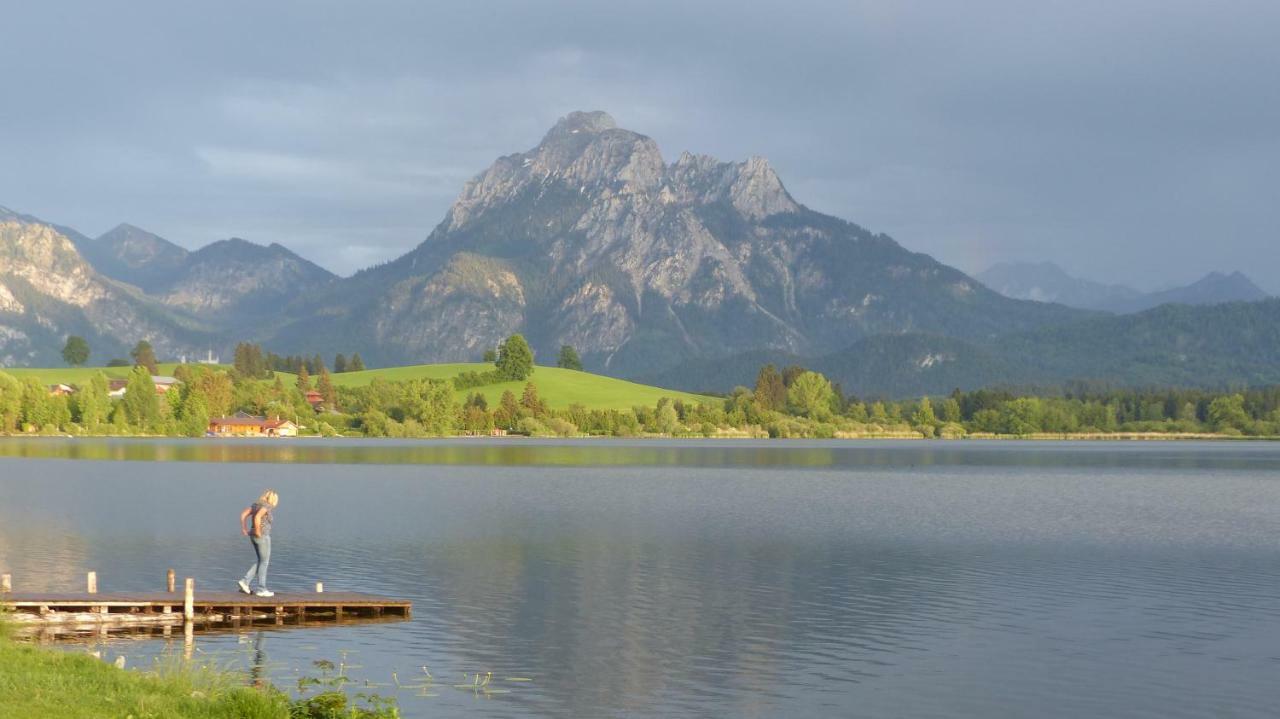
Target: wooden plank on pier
<point>204,602</point>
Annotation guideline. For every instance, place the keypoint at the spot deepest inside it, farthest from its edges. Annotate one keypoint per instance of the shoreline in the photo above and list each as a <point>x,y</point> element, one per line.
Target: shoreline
<point>903,436</point>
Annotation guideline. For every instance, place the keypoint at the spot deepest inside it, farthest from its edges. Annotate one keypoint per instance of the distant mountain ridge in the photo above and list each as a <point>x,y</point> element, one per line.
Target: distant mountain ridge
<point>1212,289</point>
<point>690,270</point>
<point>228,278</point>
<point>1046,282</point>
<point>1173,345</point>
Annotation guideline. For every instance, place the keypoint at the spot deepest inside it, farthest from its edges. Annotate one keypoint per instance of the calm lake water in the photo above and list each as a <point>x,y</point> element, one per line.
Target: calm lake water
<point>753,579</point>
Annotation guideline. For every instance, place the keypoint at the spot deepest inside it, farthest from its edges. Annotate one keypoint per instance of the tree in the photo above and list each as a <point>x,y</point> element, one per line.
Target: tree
<point>878,414</point>
<point>1227,412</point>
<point>770,392</point>
<point>92,402</point>
<point>304,380</point>
<point>249,361</point>
<point>141,405</point>
<point>666,420</point>
<point>515,359</point>
<point>508,410</point>
<point>356,364</point>
<point>568,358</point>
<point>193,416</point>
<point>790,374</point>
<point>339,363</point>
<point>810,395</point>
<point>36,409</point>
<point>924,414</point>
<point>325,387</point>
<point>76,351</point>
<point>430,404</point>
<point>490,355</point>
<point>216,389</point>
<point>144,356</point>
<point>10,402</point>
<point>951,410</point>
<point>1024,415</point>
<point>530,401</point>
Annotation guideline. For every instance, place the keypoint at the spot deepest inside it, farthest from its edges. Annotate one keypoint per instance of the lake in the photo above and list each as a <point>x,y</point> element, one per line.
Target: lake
<point>704,578</point>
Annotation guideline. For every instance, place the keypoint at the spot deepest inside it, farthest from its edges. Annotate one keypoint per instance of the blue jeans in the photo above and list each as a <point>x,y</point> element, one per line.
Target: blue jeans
<point>262,547</point>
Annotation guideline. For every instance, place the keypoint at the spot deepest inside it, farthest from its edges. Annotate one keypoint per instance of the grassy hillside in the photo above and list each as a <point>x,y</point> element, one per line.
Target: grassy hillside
<point>557,387</point>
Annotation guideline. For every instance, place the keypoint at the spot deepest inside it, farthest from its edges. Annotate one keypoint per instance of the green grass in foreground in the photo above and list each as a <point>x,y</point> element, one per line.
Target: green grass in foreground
<point>36,682</point>
<point>557,387</point>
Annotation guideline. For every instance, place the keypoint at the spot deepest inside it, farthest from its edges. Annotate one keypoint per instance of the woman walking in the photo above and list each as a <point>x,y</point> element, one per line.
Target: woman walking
<point>255,523</point>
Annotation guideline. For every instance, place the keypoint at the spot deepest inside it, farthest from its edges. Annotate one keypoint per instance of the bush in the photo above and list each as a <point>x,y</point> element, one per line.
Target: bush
<point>823,430</point>
<point>561,428</point>
<point>533,428</point>
<point>467,380</point>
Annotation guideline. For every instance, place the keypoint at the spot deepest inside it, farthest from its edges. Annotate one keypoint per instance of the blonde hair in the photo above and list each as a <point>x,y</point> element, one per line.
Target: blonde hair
<point>269,497</point>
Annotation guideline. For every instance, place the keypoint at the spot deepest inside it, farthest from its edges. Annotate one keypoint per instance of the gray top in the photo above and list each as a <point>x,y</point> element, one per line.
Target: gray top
<point>266,518</point>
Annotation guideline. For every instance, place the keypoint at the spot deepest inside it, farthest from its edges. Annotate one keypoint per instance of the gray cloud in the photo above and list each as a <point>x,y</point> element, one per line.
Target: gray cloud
<point>1135,142</point>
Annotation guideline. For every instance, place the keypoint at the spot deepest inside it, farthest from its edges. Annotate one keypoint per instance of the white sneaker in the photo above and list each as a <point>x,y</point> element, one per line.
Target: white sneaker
<point>244,586</point>
<point>264,593</point>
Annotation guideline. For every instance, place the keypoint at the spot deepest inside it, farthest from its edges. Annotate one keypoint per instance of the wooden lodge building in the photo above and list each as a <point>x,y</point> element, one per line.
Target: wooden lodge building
<point>246,425</point>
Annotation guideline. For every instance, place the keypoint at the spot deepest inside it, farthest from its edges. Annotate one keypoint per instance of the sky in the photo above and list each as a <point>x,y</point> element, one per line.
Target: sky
<point>1134,142</point>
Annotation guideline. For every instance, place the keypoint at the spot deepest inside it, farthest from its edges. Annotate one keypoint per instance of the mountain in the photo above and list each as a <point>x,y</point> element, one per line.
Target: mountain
<point>133,255</point>
<point>49,291</point>
<point>1046,282</point>
<point>1220,345</point>
<point>591,239</point>
<point>230,280</point>
<point>238,280</point>
<point>1214,288</point>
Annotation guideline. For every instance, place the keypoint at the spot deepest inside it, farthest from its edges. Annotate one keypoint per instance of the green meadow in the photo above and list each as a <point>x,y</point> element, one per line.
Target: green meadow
<point>558,388</point>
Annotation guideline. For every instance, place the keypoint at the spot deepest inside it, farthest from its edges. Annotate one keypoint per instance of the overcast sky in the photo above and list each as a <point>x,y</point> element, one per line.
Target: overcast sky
<point>1136,142</point>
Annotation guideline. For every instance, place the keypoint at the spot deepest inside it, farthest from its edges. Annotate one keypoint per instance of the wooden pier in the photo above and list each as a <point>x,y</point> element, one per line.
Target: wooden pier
<point>189,605</point>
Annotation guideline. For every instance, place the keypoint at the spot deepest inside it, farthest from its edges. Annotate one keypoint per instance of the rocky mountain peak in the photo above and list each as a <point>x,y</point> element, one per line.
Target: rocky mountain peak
<point>757,191</point>
<point>579,122</point>
<point>584,151</point>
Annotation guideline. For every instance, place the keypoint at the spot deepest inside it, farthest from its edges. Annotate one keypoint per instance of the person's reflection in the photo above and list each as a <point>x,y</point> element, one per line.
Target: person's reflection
<point>258,667</point>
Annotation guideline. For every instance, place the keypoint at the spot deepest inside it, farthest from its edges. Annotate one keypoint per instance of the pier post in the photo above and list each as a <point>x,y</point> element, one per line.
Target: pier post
<point>6,583</point>
<point>169,579</point>
<point>319,587</point>
<point>91,582</point>
<point>189,601</point>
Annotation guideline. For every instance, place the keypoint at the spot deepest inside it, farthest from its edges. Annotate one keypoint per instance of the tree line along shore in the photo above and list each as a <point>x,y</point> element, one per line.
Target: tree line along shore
<point>509,394</point>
